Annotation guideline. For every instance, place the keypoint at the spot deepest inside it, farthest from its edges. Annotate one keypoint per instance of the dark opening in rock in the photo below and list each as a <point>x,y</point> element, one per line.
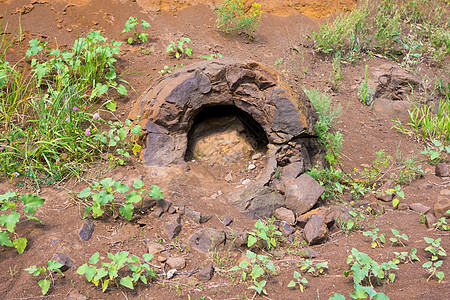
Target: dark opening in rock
<point>224,134</point>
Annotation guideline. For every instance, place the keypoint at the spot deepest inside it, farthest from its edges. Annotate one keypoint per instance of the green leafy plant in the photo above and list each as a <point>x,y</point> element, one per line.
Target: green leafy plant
<point>365,94</point>
<point>298,280</point>
<point>432,268</point>
<point>103,193</point>
<point>377,239</point>
<point>232,17</point>
<point>178,49</point>
<point>315,270</point>
<point>169,69</point>
<point>435,248</point>
<point>336,76</point>
<point>434,153</point>
<point>442,224</point>
<point>132,23</point>
<point>264,231</point>
<point>397,239</point>
<point>52,266</point>
<point>405,256</point>
<point>109,271</point>
<point>212,56</point>
<point>363,269</point>
<point>9,220</point>
<point>258,266</point>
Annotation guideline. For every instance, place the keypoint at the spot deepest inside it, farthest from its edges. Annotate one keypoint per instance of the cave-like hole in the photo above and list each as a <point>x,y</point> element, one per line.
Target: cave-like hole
<point>224,135</point>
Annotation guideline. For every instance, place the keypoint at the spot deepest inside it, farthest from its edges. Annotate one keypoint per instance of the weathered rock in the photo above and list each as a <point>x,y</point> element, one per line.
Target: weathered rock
<point>324,212</point>
<point>87,229</point>
<point>206,273</point>
<point>75,295</point>
<point>292,170</point>
<point>258,201</point>
<point>381,193</point>
<point>419,207</point>
<point>286,229</point>
<point>236,240</point>
<point>172,225</point>
<point>403,206</point>
<point>441,206</point>
<point>208,239</point>
<point>392,110</point>
<point>63,259</point>
<point>341,212</point>
<point>154,248</point>
<point>315,230</point>
<point>176,262</point>
<point>196,216</point>
<point>302,193</point>
<point>441,170</point>
<point>227,221</point>
<point>286,215</point>
<point>430,219</point>
<point>394,83</point>
<point>309,253</point>
<point>256,156</point>
<point>157,213</point>
<point>168,108</point>
<point>164,204</point>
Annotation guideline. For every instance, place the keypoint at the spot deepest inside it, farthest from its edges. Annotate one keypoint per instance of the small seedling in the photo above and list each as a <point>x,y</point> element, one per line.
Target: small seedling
<point>314,270</point>
<point>432,268</point>
<point>405,256</point>
<point>212,56</point>
<point>133,23</point>
<point>298,280</point>
<point>264,231</point>
<point>177,48</point>
<point>52,266</point>
<point>377,240</point>
<point>442,224</point>
<point>434,248</point>
<point>434,153</point>
<point>397,239</point>
<point>365,94</point>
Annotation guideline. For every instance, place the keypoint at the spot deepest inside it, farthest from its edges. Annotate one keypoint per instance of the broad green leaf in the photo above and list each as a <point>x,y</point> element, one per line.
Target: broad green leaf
<point>4,239</point>
<point>138,184</point>
<point>251,240</point>
<point>53,265</point>
<point>31,202</point>
<point>45,285</point>
<point>130,40</point>
<point>127,282</point>
<point>121,188</point>
<point>100,274</point>
<point>137,130</point>
<point>7,196</point>
<point>147,256</point>
<point>337,296</point>
<point>33,270</point>
<point>122,90</point>
<point>85,193</point>
<point>156,192</point>
<point>97,211</point>
<point>127,211</point>
<point>9,221</point>
<point>122,133</point>
<point>94,258</point>
<point>291,283</point>
<point>145,24</point>
<point>20,244</point>
<point>111,105</point>
<point>133,197</point>
<point>395,202</point>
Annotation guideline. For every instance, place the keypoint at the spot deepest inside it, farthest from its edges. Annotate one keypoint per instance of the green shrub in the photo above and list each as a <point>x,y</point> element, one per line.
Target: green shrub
<point>232,17</point>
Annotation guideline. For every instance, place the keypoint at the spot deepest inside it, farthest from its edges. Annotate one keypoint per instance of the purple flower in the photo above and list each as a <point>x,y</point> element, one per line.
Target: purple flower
<point>96,116</point>
<point>75,108</point>
<point>67,119</point>
<point>1,148</point>
<point>87,132</point>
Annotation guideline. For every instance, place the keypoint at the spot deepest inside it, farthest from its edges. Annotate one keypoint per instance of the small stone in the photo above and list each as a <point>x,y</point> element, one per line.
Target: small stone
<point>157,213</point>
<point>227,221</point>
<point>59,26</point>
<point>219,192</point>
<point>229,177</point>
<point>171,273</point>
<point>173,225</point>
<point>246,181</point>
<point>256,156</point>
<point>155,248</point>
<point>161,258</point>
<point>315,230</point>
<point>63,259</point>
<point>420,208</point>
<point>430,219</point>
<point>196,216</point>
<point>87,229</point>
<point>302,193</point>
<point>285,214</point>
<point>69,29</point>
<point>75,295</point>
<point>176,262</point>
<point>441,206</point>
<point>208,239</point>
<point>309,253</point>
<point>164,204</point>
<point>251,167</point>
<point>381,193</point>
<point>441,170</point>
<point>206,273</point>
<point>171,210</point>
<point>324,212</point>
<point>444,192</point>
<point>376,208</point>
<point>286,228</point>
<point>402,206</point>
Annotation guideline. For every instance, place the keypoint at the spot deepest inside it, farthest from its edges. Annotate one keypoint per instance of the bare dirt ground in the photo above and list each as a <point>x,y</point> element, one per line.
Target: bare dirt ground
<point>282,28</point>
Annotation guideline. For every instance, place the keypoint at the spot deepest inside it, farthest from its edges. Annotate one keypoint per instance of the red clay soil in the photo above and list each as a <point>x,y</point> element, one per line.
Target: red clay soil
<point>282,29</point>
